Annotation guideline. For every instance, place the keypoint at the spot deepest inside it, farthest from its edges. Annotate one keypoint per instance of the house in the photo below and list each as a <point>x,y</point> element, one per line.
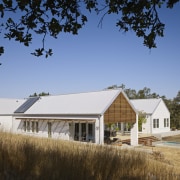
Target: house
<point>7,108</point>
<point>80,117</point>
<point>157,115</point>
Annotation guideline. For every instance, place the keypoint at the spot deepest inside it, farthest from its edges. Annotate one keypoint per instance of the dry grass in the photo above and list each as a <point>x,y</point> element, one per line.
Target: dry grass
<point>23,157</point>
<point>171,155</point>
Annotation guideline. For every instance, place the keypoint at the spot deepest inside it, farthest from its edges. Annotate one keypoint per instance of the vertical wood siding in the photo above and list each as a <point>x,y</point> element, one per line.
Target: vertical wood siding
<point>120,111</point>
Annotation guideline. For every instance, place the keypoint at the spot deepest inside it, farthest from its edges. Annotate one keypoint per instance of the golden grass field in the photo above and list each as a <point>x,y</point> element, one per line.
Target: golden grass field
<point>171,155</point>
<point>28,158</point>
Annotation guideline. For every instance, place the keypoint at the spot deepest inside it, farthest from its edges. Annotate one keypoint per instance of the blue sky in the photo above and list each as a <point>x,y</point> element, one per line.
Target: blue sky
<point>93,60</point>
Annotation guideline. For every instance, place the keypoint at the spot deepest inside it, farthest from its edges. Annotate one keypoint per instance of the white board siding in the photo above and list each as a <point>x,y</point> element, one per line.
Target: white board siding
<point>96,133</point>
<point>6,123</point>
<point>160,113</point>
<point>59,129</point>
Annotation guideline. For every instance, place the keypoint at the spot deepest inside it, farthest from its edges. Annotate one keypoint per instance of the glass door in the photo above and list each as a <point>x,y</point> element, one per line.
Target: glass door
<point>83,131</point>
<point>76,132</point>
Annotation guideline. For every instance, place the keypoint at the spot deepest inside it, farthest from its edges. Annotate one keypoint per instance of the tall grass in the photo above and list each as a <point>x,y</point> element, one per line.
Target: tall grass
<point>28,158</point>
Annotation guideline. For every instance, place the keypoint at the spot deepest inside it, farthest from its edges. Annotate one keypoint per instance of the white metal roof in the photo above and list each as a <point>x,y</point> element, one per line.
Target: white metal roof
<point>8,106</point>
<point>146,105</point>
<point>81,103</point>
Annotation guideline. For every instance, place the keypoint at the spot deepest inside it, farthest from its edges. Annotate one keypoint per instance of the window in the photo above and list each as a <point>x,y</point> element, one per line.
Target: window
<point>32,126</point>
<point>155,123</point>
<point>83,131</point>
<point>28,126</point>
<point>76,133</point>
<point>166,122</point>
<point>90,132</point>
<point>37,127</point>
<point>90,129</point>
<point>24,125</point>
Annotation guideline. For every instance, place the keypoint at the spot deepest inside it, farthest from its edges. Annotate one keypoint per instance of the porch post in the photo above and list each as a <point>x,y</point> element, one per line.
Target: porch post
<point>80,134</point>
<point>101,129</point>
<point>134,133</point>
<point>122,128</point>
<point>96,131</point>
<point>73,129</point>
<point>87,133</point>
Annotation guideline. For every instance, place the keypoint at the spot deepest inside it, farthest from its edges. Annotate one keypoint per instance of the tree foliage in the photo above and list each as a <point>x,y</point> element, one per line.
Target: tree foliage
<point>22,19</point>
<point>40,94</point>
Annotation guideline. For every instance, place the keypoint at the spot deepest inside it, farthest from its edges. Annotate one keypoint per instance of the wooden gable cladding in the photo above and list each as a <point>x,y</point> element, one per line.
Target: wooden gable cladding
<point>119,111</point>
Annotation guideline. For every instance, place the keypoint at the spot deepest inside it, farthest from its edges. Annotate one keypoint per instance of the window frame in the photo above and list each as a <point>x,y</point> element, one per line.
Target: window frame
<point>155,123</point>
<point>166,122</point>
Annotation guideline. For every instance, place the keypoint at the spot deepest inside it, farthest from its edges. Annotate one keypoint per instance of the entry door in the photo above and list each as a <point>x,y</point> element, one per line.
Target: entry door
<point>49,129</point>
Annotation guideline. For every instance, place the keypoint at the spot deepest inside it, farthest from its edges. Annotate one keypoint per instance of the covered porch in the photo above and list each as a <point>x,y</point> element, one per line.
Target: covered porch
<point>82,129</point>
<point>121,113</point>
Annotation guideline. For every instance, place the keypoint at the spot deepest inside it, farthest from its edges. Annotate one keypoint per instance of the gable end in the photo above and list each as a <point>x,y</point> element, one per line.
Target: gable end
<point>120,111</point>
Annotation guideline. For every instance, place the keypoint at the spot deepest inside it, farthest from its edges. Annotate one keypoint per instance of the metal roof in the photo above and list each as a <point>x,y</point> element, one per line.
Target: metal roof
<point>81,103</point>
<point>26,105</point>
<point>146,105</point>
<point>8,106</point>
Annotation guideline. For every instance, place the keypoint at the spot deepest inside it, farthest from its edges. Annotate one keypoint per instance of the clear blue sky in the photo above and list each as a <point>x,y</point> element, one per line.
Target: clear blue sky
<point>93,60</point>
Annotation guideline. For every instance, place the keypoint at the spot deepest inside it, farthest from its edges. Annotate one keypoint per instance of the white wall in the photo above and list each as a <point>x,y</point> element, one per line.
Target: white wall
<point>134,133</point>
<point>60,129</point>
<point>160,113</point>
<point>6,123</point>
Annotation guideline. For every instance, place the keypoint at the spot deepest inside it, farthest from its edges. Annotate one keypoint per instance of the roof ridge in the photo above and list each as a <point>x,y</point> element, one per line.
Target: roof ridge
<point>117,89</point>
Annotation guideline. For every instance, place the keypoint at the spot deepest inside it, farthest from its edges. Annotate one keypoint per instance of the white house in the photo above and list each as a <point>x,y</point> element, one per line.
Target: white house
<point>157,115</point>
<point>7,108</point>
<point>80,116</point>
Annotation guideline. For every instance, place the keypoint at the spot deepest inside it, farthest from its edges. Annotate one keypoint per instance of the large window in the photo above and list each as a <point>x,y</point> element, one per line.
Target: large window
<point>83,131</point>
<point>32,126</point>
<point>24,125</point>
<point>155,123</point>
<point>37,127</point>
<point>28,126</point>
<point>90,132</point>
<point>76,133</point>
<point>166,122</point>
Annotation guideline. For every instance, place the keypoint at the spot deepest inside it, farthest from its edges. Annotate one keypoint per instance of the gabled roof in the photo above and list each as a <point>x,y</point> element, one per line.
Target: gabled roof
<point>146,105</point>
<point>81,103</point>
<point>8,106</point>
